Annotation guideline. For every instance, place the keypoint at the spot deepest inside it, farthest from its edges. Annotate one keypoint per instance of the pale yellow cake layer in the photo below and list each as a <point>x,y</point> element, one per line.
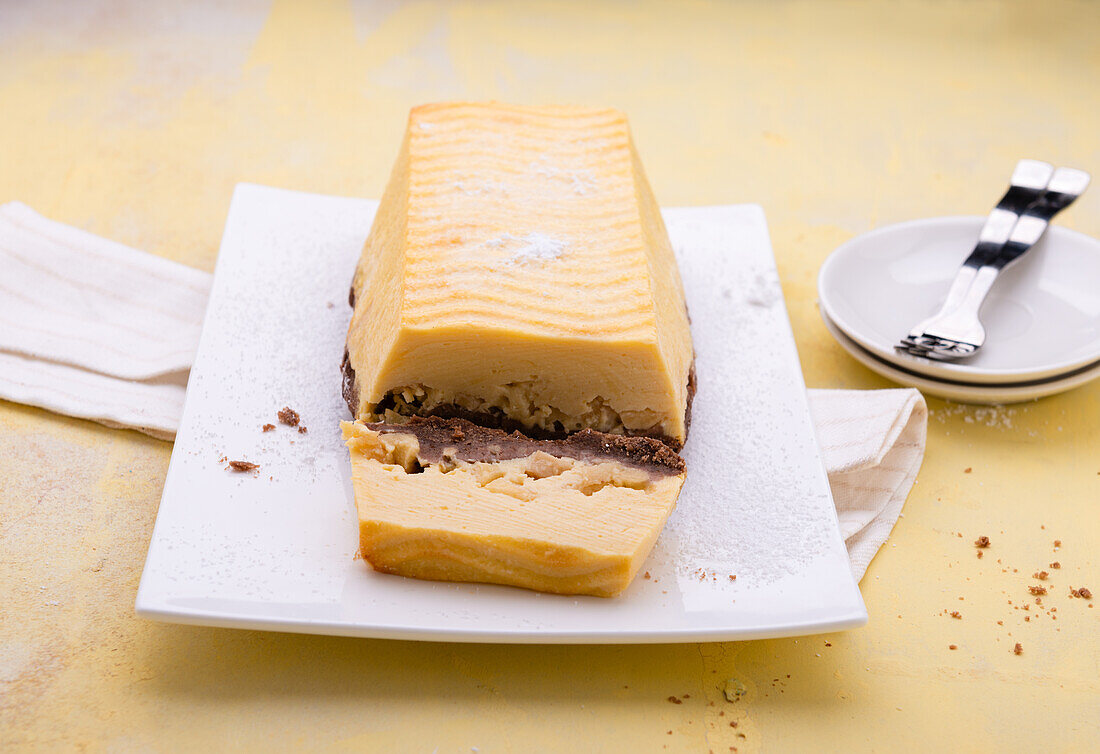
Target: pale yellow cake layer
<point>522,245</point>
<point>539,522</point>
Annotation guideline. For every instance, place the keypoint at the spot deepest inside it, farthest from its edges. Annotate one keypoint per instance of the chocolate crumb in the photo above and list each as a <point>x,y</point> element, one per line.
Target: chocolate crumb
<point>289,416</point>
<point>982,541</point>
<point>1082,593</point>
<point>956,615</point>
<point>967,470</point>
<point>952,646</point>
<point>1037,589</point>
<point>1055,564</point>
<point>1018,649</point>
<point>302,430</point>
<point>268,427</point>
<point>1041,575</point>
<point>674,700</point>
<point>243,465</point>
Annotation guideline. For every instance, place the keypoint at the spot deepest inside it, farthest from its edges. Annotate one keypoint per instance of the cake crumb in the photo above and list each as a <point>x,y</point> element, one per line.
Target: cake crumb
<point>952,646</point>
<point>956,615</point>
<point>980,553</point>
<point>1018,649</point>
<point>1082,593</point>
<point>1057,543</point>
<point>268,427</point>
<point>1035,589</point>
<point>733,690</point>
<point>1041,575</point>
<point>289,416</point>
<point>674,700</point>
<point>1055,564</point>
<point>243,465</point>
<point>967,470</point>
<point>302,430</point>
<point>733,577</point>
<point>982,541</point>
<point>645,575</point>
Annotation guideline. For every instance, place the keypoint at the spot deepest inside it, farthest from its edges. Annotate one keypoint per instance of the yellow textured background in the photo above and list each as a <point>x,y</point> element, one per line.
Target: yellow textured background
<point>135,120</point>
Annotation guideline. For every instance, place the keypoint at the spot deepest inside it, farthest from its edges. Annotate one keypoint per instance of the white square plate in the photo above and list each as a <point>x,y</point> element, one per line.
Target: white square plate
<point>275,549</point>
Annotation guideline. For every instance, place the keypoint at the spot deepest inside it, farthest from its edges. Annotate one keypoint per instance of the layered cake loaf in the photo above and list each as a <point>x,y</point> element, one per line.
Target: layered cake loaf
<point>519,362</point>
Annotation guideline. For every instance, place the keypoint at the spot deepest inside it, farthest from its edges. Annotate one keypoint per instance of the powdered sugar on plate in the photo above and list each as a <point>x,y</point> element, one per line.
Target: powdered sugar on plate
<point>274,549</point>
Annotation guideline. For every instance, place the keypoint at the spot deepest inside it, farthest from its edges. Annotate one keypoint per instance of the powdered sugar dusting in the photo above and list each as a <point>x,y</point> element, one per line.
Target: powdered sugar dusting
<point>533,247</point>
<point>756,503</point>
<point>579,181</point>
<point>997,416</point>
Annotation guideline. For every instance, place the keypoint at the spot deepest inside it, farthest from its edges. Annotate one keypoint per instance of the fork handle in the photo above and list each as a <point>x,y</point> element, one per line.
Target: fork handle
<point>1065,186</point>
<point>1029,180</point>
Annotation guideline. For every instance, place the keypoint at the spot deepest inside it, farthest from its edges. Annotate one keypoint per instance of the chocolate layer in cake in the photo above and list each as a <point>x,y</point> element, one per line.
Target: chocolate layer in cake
<point>466,441</point>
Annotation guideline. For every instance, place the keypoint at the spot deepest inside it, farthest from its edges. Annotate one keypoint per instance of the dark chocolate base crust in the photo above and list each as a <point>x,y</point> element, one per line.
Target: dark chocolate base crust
<point>469,442</point>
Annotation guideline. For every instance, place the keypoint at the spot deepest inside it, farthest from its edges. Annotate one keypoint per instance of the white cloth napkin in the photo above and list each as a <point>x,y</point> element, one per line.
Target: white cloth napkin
<point>97,330</point>
<point>92,328</point>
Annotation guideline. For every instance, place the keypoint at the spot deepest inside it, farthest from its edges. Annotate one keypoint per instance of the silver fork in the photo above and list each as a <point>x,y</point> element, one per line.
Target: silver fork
<point>956,330</point>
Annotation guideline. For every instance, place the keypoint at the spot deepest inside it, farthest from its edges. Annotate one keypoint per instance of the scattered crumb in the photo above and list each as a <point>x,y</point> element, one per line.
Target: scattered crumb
<point>733,577</point>
<point>1000,623</point>
<point>674,700</point>
<point>733,723</point>
<point>733,690</point>
<point>223,459</point>
<point>967,470</point>
<point>982,541</point>
<point>645,575</point>
<point>268,427</point>
<point>952,646</point>
<point>1057,543</point>
<point>302,430</point>
<point>243,465</point>
<point>956,615</point>
<point>1034,589</point>
<point>1018,649</point>
<point>1082,593</point>
<point>980,553</point>
<point>827,644</point>
<point>289,416</point>
<point>457,434</point>
<point>1041,575</point>
<point>1055,564</point>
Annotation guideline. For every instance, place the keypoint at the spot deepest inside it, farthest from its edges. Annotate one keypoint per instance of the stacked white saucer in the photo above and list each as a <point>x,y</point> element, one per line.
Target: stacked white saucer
<point>1042,318</point>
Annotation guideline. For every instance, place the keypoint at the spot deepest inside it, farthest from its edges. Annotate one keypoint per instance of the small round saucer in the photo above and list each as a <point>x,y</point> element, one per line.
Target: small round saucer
<point>957,390</point>
<point>1042,318</point>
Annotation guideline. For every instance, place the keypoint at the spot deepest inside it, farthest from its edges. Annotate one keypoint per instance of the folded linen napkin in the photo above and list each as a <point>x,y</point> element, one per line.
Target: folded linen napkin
<point>97,330</point>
